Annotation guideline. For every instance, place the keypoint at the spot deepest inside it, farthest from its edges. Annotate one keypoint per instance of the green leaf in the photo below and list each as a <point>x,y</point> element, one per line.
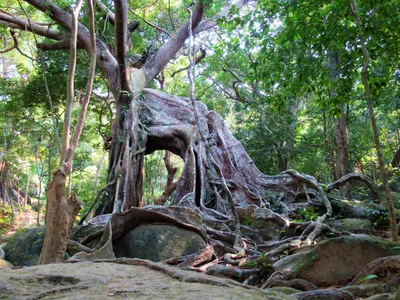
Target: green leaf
<point>369,277</point>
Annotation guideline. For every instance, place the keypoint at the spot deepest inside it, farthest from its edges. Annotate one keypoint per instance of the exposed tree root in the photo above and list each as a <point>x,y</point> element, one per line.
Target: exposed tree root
<point>218,245</point>
<point>278,279</point>
<point>237,259</point>
<point>232,272</point>
<point>268,246</point>
<point>192,260</point>
<point>356,177</point>
<point>171,184</point>
<point>217,174</point>
<point>324,295</point>
<point>92,236</point>
<point>59,290</point>
<point>202,268</point>
<point>75,247</point>
<point>369,290</point>
<point>225,236</point>
<point>180,275</point>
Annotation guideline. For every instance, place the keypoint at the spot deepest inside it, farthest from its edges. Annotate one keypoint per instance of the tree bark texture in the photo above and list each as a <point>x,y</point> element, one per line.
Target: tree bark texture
<point>171,184</point>
<point>61,214</point>
<point>356,177</point>
<point>341,133</point>
<point>62,210</point>
<point>396,159</point>
<point>169,124</point>
<point>368,98</point>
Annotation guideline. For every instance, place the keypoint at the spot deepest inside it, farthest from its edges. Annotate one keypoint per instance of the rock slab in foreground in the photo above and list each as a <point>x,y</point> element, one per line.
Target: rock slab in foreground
<point>100,280</point>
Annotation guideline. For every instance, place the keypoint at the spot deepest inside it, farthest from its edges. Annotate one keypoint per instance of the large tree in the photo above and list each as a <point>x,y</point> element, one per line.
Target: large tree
<point>217,174</point>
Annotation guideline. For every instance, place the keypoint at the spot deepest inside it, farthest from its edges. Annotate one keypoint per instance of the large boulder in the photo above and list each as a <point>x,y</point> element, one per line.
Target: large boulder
<point>24,247</point>
<point>5,264</point>
<point>158,242</point>
<point>352,224</point>
<point>268,223</point>
<point>336,261</point>
<point>155,233</point>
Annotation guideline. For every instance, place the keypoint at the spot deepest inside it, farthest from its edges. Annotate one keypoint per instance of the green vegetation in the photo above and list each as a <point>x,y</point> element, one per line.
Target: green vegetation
<point>281,73</point>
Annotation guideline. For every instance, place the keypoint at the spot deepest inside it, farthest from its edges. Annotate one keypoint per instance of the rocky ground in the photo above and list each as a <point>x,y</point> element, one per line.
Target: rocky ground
<point>178,252</point>
<point>142,280</point>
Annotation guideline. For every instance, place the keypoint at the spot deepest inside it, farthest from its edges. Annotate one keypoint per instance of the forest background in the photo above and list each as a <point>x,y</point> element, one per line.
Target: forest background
<point>285,76</point>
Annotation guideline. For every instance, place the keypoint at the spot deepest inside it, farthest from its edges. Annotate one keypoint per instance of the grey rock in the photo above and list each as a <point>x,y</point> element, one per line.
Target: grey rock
<point>5,264</point>
<point>352,224</point>
<point>24,247</point>
<point>336,261</point>
<point>158,242</point>
<point>268,223</point>
<point>133,280</point>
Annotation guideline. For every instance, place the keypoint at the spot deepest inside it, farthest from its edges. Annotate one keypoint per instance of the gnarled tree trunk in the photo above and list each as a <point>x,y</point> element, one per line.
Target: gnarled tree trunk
<point>168,123</point>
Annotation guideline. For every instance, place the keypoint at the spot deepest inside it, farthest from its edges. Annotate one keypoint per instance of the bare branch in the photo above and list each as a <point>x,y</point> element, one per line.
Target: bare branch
<point>70,83</point>
<point>18,23</point>
<point>109,15</point>
<point>208,24</point>
<point>156,27</point>
<point>169,14</point>
<point>197,60</point>
<point>89,87</point>
<point>15,46</point>
<point>8,49</point>
<point>61,45</point>
<point>105,59</point>
<point>158,61</point>
<point>63,18</point>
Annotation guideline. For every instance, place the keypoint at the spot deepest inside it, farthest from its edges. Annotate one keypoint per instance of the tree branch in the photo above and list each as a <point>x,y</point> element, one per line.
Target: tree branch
<point>208,24</point>
<point>121,50</point>
<point>16,45</point>
<point>89,87</point>
<point>18,23</point>
<point>352,177</point>
<point>108,14</point>
<point>61,45</point>
<point>105,59</point>
<point>156,27</point>
<point>8,49</point>
<point>158,61</point>
<point>70,82</point>
<point>197,60</point>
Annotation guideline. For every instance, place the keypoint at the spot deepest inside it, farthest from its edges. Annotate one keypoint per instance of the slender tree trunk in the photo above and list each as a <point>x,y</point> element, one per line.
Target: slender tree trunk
<point>98,173</point>
<point>171,184</point>
<point>341,134</point>
<point>372,167</point>
<point>70,84</point>
<point>364,78</point>
<point>27,191</point>
<point>342,145</point>
<point>60,217</point>
<point>62,210</point>
<point>396,159</point>
<point>342,156</point>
